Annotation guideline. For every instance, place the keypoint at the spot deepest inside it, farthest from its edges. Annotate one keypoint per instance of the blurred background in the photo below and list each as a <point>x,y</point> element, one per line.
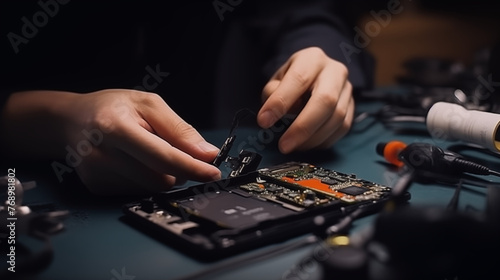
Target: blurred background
<point>450,30</point>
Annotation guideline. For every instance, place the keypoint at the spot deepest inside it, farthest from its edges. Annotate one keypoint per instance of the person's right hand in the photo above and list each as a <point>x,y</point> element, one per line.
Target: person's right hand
<point>145,144</point>
<point>132,142</point>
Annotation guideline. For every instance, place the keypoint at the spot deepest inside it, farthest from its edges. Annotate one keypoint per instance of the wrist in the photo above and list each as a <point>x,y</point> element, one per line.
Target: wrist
<point>35,123</point>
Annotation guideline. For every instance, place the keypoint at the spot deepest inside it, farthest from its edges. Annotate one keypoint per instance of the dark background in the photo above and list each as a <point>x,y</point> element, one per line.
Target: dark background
<point>93,45</point>
<point>88,46</point>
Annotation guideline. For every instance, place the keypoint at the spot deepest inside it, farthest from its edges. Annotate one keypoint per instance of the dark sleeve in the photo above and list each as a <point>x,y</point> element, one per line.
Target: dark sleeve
<point>284,27</point>
<point>4,95</point>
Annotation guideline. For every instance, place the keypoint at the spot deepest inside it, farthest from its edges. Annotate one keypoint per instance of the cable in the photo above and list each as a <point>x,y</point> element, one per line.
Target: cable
<point>474,168</point>
<point>453,204</point>
<point>427,157</point>
<point>226,147</point>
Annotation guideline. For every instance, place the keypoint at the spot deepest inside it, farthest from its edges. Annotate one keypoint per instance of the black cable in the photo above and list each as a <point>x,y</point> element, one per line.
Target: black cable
<point>425,157</point>
<point>226,147</point>
<point>398,190</point>
<point>473,167</point>
<point>345,222</point>
<point>457,148</point>
<point>238,116</point>
<point>453,204</point>
<point>403,184</point>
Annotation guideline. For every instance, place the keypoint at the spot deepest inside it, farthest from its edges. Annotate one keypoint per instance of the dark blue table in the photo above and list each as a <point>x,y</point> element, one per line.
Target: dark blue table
<point>98,244</point>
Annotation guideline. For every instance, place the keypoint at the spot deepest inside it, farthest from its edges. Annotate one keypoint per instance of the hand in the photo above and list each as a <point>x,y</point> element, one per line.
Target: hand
<point>122,141</point>
<point>316,87</point>
<point>144,144</point>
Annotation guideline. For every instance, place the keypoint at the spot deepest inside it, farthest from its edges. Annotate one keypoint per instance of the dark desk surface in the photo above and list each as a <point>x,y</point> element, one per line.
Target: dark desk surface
<point>98,245</point>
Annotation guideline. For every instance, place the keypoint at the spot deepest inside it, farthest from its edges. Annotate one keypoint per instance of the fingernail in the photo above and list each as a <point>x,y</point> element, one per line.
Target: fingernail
<point>217,176</point>
<point>207,147</point>
<point>286,146</point>
<point>267,119</point>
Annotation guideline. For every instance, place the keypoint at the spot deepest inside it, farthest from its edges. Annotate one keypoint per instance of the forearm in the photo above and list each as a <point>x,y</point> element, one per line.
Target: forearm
<point>34,123</point>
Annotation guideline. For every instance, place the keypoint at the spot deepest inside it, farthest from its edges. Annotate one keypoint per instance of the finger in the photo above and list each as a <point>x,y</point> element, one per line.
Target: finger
<point>119,174</point>
<point>296,107</point>
<point>334,128</point>
<point>269,88</point>
<point>334,121</point>
<point>162,157</point>
<point>343,129</point>
<point>297,80</point>
<point>321,107</point>
<point>173,129</point>
<point>141,175</point>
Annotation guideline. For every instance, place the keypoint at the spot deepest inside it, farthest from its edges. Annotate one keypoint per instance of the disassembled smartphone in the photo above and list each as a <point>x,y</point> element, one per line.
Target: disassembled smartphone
<point>253,207</point>
<point>247,210</point>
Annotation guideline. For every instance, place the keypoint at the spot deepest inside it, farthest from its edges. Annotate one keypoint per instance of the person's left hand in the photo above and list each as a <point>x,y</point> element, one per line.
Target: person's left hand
<point>316,87</point>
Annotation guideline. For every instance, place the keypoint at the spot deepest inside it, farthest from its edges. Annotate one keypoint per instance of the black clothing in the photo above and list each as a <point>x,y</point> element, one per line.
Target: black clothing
<point>205,58</point>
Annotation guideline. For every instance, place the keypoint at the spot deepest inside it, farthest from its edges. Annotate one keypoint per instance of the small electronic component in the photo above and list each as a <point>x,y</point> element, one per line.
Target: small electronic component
<point>245,162</point>
<point>224,151</point>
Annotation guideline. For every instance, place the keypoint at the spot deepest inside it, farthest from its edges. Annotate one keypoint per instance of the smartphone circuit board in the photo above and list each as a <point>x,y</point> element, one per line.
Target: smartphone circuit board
<point>256,208</point>
<point>306,185</point>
